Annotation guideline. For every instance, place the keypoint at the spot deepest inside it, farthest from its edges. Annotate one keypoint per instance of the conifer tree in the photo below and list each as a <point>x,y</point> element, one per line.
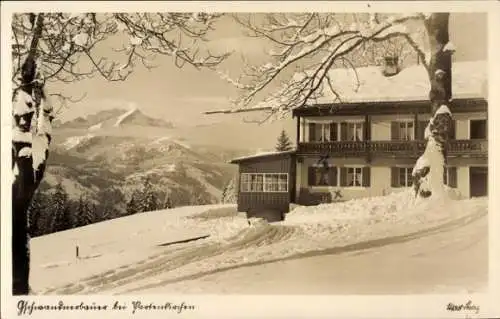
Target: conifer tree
<point>80,212</point>
<point>91,214</point>
<point>230,192</point>
<point>60,209</point>
<point>168,202</point>
<point>85,215</point>
<point>111,204</point>
<point>38,214</point>
<point>284,143</point>
<point>224,194</point>
<point>148,199</point>
<point>133,203</point>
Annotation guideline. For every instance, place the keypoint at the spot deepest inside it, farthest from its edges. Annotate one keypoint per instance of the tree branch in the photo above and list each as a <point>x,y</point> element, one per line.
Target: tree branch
<point>302,45</point>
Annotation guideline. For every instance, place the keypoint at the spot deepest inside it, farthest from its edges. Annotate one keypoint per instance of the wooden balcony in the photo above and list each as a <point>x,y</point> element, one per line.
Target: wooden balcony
<point>413,148</point>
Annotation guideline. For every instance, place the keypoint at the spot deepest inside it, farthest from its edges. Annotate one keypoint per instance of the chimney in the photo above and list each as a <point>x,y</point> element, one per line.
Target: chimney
<point>391,66</point>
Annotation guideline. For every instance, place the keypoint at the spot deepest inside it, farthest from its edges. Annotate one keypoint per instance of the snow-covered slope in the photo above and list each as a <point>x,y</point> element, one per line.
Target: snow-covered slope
<point>130,258</point>
<point>124,161</point>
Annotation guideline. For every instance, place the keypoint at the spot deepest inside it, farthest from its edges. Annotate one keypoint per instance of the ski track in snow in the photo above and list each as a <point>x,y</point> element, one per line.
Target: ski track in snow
<point>174,258</point>
<point>358,226</point>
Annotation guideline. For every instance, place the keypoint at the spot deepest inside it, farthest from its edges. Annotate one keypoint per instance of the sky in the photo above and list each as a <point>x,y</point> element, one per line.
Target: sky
<point>181,95</point>
<point>177,94</point>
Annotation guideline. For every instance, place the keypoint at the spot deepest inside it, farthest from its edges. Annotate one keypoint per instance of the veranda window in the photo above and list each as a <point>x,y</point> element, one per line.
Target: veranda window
<point>263,182</point>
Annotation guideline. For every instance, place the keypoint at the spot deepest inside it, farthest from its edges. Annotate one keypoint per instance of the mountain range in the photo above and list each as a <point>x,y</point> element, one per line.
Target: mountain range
<point>113,118</point>
<point>121,148</point>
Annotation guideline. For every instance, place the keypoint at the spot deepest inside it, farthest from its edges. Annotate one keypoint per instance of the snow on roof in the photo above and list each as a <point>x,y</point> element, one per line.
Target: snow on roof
<point>469,80</point>
<point>260,155</point>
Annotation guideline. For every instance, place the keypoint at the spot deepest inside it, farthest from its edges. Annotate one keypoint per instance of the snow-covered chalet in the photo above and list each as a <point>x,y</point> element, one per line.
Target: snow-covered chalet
<point>367,143</point>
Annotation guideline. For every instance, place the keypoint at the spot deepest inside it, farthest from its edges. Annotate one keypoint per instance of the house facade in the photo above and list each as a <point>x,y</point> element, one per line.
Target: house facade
<point>367,143</point>
<point>360,151</point>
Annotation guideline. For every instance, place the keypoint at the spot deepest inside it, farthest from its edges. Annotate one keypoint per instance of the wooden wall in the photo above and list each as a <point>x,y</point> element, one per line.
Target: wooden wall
<point>251,202</point>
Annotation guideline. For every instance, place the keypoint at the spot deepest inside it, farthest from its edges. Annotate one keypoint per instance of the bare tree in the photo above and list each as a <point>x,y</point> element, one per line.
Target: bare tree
<point>63,47</point>
<point>306,46</point>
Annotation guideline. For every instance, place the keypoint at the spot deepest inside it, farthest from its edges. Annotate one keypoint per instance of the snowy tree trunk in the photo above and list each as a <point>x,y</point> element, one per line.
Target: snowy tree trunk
<point>429,168</point>
<point>32,117</point>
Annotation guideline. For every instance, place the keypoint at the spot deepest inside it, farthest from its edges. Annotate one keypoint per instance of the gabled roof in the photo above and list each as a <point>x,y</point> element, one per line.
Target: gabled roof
<point>261,155</point>
<point>469,80</point>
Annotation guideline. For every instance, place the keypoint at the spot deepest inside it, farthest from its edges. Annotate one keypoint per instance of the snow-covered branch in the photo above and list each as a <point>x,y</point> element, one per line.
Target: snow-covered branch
<point>68,44</point>
<point>306,47</point>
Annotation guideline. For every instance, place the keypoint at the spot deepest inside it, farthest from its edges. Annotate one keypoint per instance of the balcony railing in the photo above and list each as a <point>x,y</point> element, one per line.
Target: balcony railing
<point>398,148</point>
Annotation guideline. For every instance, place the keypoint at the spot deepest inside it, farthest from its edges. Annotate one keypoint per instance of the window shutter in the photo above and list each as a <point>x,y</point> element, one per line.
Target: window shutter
<point>310,176</point>
<point>343,131</point>
<point>416,128</point>
<point>332,176</point>
<point>395,177</point>
<point>421,129</point>
<point>367,128</point>
<point>312,132</point>
<point>343,176</point>
<point>486,130</point>
<point>445,173</point>
<point>452,135</point>
<point>395,131</point>
<point>366,176</point>
<point>333,131</point>
<point>453,177</point>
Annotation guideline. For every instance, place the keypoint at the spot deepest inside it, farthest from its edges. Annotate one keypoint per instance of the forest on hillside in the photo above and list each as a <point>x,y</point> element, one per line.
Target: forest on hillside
<point>53,210</point>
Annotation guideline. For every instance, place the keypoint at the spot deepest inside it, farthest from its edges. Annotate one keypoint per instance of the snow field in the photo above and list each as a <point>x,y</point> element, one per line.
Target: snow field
<point>131,261</point>
<point>310,230</point>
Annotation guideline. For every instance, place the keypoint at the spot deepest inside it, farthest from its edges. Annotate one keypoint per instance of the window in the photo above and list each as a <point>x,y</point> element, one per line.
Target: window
<point>252,183</point>
<point>450,176</point>
<point>336,131</point>
<point>354,176</point>
<point>322,176</point>
<point>275,182</point>
<point>259,182</point>
<point>422,125</point>
<point>403,131</point>
<point>351,131</point>
<point>322,132</point>
<point>406,130</point>
<point>478,129</point>
<point>354,131</point>
<point>405,176</point>
<point>401,177</point>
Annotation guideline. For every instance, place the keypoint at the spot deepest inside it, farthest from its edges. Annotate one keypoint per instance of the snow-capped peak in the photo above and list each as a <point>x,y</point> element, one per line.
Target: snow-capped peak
<point>125,115</point>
